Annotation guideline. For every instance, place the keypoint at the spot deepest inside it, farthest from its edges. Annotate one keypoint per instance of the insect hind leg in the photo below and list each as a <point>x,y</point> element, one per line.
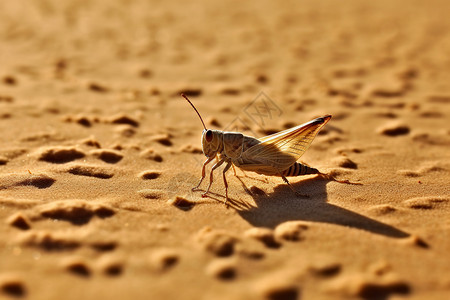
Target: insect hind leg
<point>292,188</point>
<point>332,178</point>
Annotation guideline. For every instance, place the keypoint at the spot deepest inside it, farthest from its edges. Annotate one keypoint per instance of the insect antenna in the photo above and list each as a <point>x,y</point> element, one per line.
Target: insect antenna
<point>185,97</point>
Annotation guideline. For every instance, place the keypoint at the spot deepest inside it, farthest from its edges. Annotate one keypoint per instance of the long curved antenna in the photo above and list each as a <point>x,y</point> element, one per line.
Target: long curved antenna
<point>185,97</point>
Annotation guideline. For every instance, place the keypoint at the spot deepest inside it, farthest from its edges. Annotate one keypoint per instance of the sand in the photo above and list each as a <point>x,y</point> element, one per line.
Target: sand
<point>98,152</point>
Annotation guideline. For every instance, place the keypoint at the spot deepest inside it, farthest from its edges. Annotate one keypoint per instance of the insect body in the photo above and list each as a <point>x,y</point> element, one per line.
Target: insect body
<point>273,155</point>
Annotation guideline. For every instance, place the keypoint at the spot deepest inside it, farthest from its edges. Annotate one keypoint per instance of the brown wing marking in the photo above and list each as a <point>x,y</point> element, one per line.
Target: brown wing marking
<point>282,149</point>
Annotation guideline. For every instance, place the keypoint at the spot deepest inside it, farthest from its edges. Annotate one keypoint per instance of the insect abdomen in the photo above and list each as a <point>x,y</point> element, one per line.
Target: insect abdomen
<point>298,169</point>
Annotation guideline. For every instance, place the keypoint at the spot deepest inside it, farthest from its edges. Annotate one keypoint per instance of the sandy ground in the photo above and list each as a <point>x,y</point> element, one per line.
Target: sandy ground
<point>99,152</point>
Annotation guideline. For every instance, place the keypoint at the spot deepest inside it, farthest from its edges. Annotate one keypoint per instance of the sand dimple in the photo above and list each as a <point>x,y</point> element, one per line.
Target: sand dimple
<point>145,73</point>
<point>90,171</point>
<point>20,221</point>
<point>408,74</point>
<point>415,241</point>
<point>382,209</point>
<point>181,203</point>
<point>230,91</point>
<point>443,99</point>
<point>49,241</point>
<point>6,98</point>
<point>43,137</point>
<point>3,160</point>
<point>91,142</point>
<point>18,203</point>
<point>343,92</point>
<point>223,269</point>
<point>428,202</point>
<point>111,265</point>
<point>345,162</point>
<point>325,269</point>
<point>152,193</point>
<point>60,155</point>
<point>389,92</point>
<point>219,243</point>
<point>393,129</point>
<point>74,211</point>
<point>276,287</point>
<point>381,289</point>
<point>163,139</point>
<point>12,285</point>
<point>103,246</point>
<point>264,235</point>
<point>189,91</point>
<point>77,266</point>
<point>355,71</point>
<point>125,130</point>
<point>80,119</point>
<point>380,268</point>
<point>191,149</point>
<point>9,80</point>
<point>123,119</point>
<point>151,155</point>
<point>388,115</point>
<point>409,173</point>
<point>431,139</point>
<point>213,122</point>
<point>61,241</point>
<point>369,286</point>
<point>346,150</point>
<point>108,156</point>
<point>114,269</point>
<point>97,87</point>
<point>149,174</point>
<point>288,124</point>
<point>330,139</point>
<point>164,259</point>
<point>40,181</point>
<point>290,230</point>
<point>13,153</point>
<point>268,131</point>
<point>253,254</point>
<point>273,292</point>
<point>431,114</point>
<point>425,169</point>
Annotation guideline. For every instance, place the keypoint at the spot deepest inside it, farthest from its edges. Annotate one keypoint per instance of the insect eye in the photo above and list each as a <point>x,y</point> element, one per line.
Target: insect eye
<point>209,136</point>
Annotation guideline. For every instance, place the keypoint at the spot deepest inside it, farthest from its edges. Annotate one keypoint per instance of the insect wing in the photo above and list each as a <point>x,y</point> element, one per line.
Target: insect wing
<point>282,149</point>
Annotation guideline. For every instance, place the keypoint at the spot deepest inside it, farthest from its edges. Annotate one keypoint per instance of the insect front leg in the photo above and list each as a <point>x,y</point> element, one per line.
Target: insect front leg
<point>225,180</point>
<point>203,172</point>
<point>218,164</point>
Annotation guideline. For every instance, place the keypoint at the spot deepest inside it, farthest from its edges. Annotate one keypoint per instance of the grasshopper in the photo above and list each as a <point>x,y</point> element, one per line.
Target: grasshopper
<point>272,155</point>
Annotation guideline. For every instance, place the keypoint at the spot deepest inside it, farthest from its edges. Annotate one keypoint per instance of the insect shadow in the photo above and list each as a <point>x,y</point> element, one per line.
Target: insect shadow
<point>281,205</point>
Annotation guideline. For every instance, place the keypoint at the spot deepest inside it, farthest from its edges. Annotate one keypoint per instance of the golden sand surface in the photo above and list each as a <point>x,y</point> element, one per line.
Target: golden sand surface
<point>98,152</point>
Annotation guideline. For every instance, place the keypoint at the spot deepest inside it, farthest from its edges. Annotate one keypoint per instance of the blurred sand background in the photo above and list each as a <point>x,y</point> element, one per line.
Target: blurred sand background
<point>98,151</point>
